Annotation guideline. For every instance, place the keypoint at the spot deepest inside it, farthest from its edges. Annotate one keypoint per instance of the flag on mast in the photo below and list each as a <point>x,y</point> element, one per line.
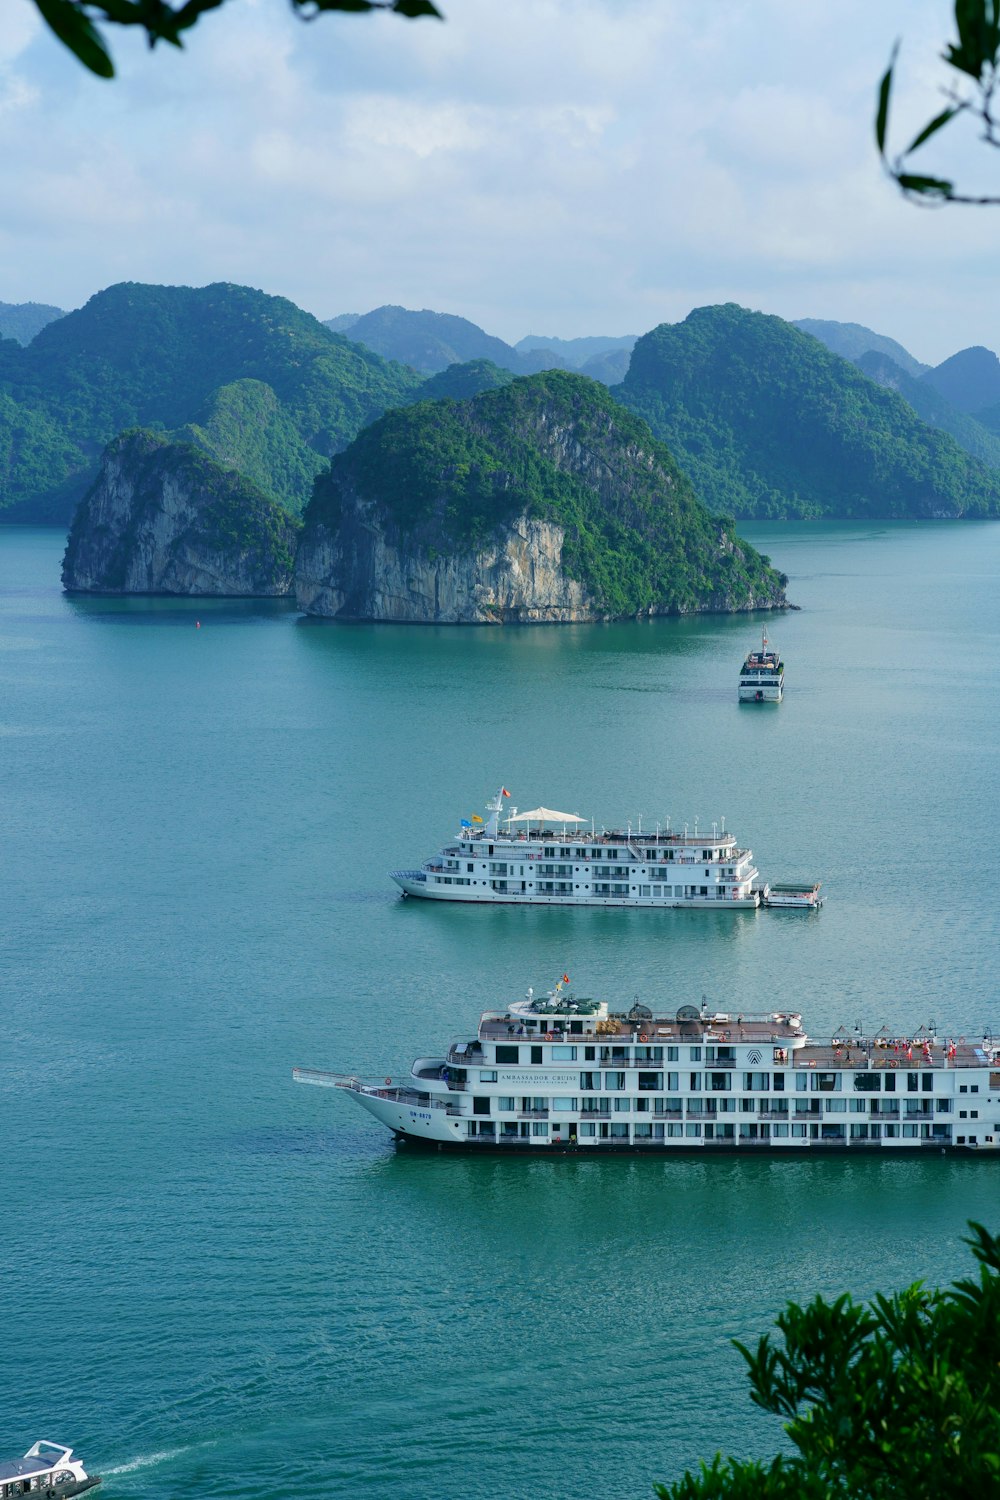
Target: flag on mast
<point>504,792</point>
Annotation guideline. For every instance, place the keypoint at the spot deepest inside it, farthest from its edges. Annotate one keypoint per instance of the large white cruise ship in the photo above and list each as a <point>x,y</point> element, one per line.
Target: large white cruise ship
<point>567,1075</point>
<point>546,857</point>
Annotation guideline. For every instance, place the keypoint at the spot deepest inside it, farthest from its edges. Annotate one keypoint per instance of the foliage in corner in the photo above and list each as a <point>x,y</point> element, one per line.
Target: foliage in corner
<point>77,22</point>
<point>975,59</point>
<point>898,1399</point>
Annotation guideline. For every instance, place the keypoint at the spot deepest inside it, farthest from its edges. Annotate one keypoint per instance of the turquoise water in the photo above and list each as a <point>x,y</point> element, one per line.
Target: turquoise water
<point>217,1283</point>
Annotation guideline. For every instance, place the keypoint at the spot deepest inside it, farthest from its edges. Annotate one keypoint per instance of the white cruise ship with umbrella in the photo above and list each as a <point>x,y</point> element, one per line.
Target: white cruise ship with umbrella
<point>545,857</point>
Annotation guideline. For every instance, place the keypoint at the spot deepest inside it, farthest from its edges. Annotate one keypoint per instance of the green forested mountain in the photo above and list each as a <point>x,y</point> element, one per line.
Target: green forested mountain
<point>443,476</point>
<point>459,382</point>
<point>768,422</point>
<point>209,360</point>
<point>22,320</point>
<point>852,340</point>
<point>931,407</point>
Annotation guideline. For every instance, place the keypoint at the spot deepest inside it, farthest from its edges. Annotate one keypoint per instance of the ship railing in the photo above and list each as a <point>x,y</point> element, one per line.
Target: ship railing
<point>613,838</point>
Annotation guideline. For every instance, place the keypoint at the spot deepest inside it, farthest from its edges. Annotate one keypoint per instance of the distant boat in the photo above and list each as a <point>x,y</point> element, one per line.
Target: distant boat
<point>762,676</point>
<point>46,1468</point>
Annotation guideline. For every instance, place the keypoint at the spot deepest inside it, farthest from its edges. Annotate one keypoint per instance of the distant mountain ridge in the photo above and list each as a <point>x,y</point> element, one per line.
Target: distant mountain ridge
<point>430,341</point>
<point>852,340</point>
<point>22,320</point>
<point>931,407</point>
<point>768,422</point>
<point>970,379</point>
<point>578,351</point>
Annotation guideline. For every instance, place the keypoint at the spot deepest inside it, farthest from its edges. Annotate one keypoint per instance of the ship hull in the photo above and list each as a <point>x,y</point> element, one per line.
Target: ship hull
<point>432,1129</point>
<point>411,1141</point>
<point>410,884</point>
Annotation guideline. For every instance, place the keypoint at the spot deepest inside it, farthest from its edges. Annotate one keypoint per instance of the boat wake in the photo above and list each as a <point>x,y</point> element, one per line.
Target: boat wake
<point>146,1461</point>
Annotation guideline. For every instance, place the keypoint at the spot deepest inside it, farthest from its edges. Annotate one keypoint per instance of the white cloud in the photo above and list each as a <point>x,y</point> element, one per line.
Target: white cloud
<point>567,166</point>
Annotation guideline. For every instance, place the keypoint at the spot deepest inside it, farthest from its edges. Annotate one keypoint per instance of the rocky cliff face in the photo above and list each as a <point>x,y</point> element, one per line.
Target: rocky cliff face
<point>539,501</point>
<point>164,519</point>
<point>364,572</point>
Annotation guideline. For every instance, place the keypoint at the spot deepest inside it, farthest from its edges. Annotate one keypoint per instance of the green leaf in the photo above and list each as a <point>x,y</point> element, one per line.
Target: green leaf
<point>414,8</point>
<point>930,187</point>
<point>935,125</point>
<point>885,88</point>
<point>83,39</point>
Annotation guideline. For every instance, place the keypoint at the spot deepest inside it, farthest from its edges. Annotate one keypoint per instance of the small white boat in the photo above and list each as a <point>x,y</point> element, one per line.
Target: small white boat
<point>48,1469</point>
<point>794,897</point>
<point>762,676</point>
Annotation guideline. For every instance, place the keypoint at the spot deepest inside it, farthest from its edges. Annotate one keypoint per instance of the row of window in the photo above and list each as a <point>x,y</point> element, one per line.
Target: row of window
<point>594,1104</point>
<point>615,1131</point>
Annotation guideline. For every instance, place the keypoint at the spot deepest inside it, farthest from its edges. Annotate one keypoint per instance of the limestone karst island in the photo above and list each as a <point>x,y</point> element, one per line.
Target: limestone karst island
<point>222,442</point>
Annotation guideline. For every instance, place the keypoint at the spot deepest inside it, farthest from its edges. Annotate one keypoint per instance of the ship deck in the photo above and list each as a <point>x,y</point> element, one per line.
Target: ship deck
<point>861,1054</point>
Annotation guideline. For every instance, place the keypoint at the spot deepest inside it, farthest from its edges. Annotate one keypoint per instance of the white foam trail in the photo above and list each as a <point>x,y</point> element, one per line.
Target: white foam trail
<point>145,1460</point>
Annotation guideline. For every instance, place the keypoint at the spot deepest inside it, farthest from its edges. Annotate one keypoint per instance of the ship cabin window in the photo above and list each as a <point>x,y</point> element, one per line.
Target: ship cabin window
<point>580,853</point>
<point>927,1083</point>
<point>650,1082</point>
<point>826,1083</point>
<point>564,1054</point>
<point>781,1054</point>
<point>779,1082</point>
<point>549,853</point>
<point>614,1080</point>
<point>890,1083</point>
<point>912,1079</point>
<point>508,1054</point>
<point>505,1105</point>
<point>565,854</point>
<point>480,1104</point>
<point>487,1075</point>
<point>673,1054</point>
<point>722,1055</point>
<point>719,1082</point>
<point>590,1080</point>
<point>576,1028</point>
<point>694,1081</point>
<point>537,1129</point>
<point>756,1082</point>
<point>536,1054</point>
<point>867,1083</point>
<point>696,1054</point>
<point>801,1082</point>
<point>566,1106</point>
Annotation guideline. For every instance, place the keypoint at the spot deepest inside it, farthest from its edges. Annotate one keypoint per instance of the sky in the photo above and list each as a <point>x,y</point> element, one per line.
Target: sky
<point>554,167</point>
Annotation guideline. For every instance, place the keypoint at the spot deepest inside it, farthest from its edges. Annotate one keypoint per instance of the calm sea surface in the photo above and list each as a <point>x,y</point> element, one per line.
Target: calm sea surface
<point>216,1283</point>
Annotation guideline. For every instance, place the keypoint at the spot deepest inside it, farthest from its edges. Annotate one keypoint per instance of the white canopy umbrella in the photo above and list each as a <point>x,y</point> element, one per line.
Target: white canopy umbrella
<point>545,815</point>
